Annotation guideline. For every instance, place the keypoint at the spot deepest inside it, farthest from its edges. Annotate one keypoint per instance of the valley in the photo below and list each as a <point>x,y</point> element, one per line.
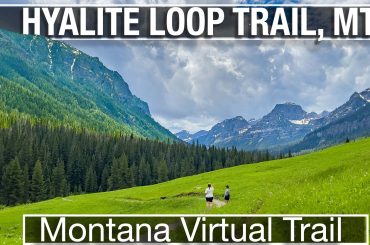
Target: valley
<point>335,181</point>
<point>75,140</point>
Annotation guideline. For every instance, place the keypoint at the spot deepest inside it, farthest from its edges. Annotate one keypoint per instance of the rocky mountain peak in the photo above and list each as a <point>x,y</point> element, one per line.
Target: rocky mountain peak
<point>235,123</point>
<point>365,95</point>
<point>289,111</point>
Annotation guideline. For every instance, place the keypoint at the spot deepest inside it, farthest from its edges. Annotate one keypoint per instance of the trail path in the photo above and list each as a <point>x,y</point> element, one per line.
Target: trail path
<point>219,203</point>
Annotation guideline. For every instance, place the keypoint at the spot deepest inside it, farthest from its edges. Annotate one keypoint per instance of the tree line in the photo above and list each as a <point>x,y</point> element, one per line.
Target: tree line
<point>39,162</point>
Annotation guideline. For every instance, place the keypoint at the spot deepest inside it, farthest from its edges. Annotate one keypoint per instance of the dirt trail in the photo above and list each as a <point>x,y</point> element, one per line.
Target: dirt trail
<point>219,203</point>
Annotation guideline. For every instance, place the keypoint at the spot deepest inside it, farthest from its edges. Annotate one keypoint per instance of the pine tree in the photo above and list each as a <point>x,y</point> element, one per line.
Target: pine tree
<point>104,179</point>
<point>217,165</point>
<point>143,172</point>
<point>26,184</point>
<point>59,182</point>
<point>134,174</point>
<point>290,154</point>
<point>47,174</point>
<point>115,178</point>
<point>26,152</point>
<point>130,181</point>
<point>123,161</point>
<point>37,184</point>
<point>74,166</point>
<point>90,181</point>
<point>2,160</point>
<point>136,161</point>
<point>162,171</point>
<point>202,167</point>
<point>12,186</point>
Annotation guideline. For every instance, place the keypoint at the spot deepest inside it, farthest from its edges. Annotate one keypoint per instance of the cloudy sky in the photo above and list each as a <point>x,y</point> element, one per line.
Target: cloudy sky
<point>194,84</point>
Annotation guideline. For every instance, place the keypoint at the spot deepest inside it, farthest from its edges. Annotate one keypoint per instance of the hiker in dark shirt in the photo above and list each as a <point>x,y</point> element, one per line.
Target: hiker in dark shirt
<point>227,194</point>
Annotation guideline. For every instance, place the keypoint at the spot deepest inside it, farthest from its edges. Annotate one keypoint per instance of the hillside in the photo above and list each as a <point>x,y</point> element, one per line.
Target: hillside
<point>53,81</point>
<point>335,180</point>
<point>352,126</point>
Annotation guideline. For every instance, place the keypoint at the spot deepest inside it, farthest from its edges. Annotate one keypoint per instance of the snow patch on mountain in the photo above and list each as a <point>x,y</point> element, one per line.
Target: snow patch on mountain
<point>244,130</point>
<point>72,67</point>
<point>286,124</point>
<point>304,121</point>
<point>363,97</point>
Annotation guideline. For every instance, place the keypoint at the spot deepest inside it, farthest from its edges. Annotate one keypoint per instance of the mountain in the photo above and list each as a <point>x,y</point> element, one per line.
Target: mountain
<point>289,127</point>
<point>287,111</point>
<point>55,82</point>
<point>187,137</point>
<point>355,102</point>
<point>223,132</point>
<point>349,121</point>
<point>219,134</point>
<point>184,136</point>
<point>285,124</point>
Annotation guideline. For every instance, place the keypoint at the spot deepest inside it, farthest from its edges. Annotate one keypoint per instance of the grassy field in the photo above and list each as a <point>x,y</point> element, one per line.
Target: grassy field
<point>332,181</point>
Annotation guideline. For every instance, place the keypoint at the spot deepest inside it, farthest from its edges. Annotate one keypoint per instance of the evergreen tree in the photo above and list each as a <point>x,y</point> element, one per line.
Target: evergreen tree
<point>217,165</point>
<point>134,174</point>
<point>90,181</point>
<point>162,171</point>
<point>2,160</point>
<point>26,184</point>
<point>104,179</point>
<point>12,186</point>
<point>202,167</point>
<point>130,181</point>
<point>74,167</point>
<point>115,178</point>
<point>143,172</point>
<point>37,184</point>
<point>91,159</point>
<point>59,182</point>
<point>123,161</point>
<point>281,156</point>
<point>25,154</point>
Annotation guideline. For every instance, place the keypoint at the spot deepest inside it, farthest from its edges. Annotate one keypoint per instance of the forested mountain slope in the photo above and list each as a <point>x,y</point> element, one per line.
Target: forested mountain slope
<point>53,81</point>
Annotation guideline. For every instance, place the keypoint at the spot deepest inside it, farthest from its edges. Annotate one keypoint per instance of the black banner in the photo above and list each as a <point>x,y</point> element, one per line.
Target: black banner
<point>189,22</point>
<point>195,229</point>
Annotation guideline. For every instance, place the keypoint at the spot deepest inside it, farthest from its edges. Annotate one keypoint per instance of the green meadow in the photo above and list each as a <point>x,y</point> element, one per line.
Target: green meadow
<point>332,181</point>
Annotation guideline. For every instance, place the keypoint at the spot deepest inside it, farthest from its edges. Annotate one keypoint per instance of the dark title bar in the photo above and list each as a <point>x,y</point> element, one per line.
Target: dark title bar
<point>189,22</point>
<point>195,229</point>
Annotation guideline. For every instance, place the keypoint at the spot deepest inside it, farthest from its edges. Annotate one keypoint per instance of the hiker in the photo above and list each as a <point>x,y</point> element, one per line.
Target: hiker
<point>209,195</point>
<point>227,194</point>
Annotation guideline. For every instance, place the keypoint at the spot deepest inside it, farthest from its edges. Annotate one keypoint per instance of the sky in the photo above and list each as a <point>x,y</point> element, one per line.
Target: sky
<point>193,85</point>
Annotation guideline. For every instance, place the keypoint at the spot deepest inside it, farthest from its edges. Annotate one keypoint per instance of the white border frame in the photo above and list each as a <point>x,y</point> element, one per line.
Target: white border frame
<point>366,216</point>
<point>197,5</point>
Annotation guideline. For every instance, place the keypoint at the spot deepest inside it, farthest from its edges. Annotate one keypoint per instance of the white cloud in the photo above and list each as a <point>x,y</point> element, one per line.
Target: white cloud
<point>187,82</point>
<point>194,84</point>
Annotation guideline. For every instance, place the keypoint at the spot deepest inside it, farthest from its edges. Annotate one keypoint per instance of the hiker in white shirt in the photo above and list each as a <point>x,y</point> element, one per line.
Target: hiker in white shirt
<point>209,195</point>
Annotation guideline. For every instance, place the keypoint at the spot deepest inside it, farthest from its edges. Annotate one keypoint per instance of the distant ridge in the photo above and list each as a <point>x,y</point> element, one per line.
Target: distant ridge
<point>289,127</point>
